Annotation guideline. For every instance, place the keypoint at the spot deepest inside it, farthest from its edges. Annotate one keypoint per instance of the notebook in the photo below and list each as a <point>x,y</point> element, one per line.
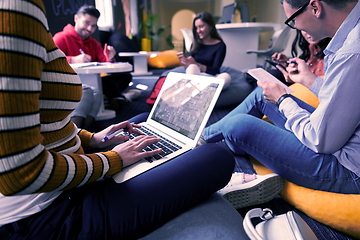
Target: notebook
<point>179,114</point>
<point>228,12</point>
<point>262,75</point>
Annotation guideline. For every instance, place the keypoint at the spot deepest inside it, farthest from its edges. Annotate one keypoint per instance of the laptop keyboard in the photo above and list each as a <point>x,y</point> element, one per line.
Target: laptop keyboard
<point>165,144</point>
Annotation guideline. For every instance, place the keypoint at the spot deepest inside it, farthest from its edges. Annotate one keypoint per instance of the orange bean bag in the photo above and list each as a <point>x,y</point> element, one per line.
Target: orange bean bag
<point>339,211</point>
<point>165,59</point>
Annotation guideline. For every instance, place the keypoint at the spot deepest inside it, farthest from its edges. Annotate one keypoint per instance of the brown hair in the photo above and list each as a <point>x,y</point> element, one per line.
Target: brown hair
<point>206,17</point>
<point>90,10</point>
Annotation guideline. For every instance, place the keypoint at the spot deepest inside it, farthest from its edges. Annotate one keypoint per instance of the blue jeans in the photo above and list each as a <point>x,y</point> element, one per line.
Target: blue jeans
<point>89,104</point>
<point>279,149</point>
<point>129,210</point>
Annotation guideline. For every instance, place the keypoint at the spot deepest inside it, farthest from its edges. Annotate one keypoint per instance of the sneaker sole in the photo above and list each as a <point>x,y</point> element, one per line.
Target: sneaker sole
<point>260,193</point>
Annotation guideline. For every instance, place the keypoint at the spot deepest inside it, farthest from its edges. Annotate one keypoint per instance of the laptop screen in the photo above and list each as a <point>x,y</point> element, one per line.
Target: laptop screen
<point>228,13</point>
<point>183,106</point>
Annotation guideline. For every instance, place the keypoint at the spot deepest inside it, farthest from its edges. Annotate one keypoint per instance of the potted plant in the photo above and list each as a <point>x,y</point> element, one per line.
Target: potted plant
<point>151,40</point>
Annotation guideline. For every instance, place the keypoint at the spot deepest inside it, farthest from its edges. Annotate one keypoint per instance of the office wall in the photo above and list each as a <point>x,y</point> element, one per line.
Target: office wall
<point>260,11</point>
<point>166,9</point>
<point>61,12</point>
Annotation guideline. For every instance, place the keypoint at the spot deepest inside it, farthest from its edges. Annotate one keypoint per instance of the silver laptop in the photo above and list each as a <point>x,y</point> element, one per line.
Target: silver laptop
<point>179,115</point>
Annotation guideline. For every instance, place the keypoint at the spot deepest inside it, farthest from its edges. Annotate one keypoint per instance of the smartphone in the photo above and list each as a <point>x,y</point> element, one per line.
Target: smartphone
<point>275,64</point>
<point>180,55</point>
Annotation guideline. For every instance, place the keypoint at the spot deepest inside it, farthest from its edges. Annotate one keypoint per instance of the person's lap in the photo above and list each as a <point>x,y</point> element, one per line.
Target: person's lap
<point>279,149</point>
<point>108,210</point>
<point>283,153</point>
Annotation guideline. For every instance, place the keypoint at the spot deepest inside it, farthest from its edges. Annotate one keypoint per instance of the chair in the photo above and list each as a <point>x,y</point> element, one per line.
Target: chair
<point>277,43</point>
<point>188,38</point>
<point>244,12</point>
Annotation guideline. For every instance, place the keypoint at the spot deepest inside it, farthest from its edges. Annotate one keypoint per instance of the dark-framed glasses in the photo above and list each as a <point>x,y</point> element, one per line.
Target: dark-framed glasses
<point>290,21</point>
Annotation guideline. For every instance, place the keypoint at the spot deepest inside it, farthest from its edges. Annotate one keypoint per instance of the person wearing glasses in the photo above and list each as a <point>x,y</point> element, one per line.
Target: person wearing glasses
<point>316,148</point>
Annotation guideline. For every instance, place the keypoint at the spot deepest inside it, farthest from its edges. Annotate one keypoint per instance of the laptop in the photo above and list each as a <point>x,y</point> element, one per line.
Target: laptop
<point>179,114</point>
<point>228,13</point>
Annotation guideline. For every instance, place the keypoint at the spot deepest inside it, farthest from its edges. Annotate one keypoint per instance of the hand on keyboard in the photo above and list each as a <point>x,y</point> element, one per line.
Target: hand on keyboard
<point>97,141</point>
<point>165,144</point>
<point>132,151</point>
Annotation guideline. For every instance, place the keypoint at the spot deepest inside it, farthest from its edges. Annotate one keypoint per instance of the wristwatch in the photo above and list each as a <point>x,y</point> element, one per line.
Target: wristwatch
<point>282,99</point>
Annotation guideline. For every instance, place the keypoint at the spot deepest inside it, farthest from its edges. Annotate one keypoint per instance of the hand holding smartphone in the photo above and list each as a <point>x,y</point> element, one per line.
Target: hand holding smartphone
<point>273,63</point>
<point>180,55</point>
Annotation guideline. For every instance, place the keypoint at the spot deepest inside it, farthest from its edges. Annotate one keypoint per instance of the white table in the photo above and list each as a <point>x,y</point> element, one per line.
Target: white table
<point>140,61</point>
<point>241,37</point>
<point>90,75</point>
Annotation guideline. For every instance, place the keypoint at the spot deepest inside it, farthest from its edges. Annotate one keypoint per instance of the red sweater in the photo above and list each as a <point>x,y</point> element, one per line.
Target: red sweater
<point>70,43</point>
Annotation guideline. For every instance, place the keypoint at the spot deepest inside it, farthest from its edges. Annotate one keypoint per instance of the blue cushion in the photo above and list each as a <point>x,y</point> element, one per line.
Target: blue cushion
<point>214,219</point>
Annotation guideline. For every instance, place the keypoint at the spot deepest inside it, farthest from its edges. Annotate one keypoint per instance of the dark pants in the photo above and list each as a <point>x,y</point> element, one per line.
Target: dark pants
<point>114,84</point>
<point>107,210</point>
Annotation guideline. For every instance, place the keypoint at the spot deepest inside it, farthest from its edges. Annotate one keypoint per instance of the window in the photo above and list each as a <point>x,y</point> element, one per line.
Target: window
<point>106,20</point>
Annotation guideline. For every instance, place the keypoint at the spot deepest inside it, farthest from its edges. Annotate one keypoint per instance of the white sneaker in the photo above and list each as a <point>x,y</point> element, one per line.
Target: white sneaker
<point>246,190</point>
<point>132,95</point>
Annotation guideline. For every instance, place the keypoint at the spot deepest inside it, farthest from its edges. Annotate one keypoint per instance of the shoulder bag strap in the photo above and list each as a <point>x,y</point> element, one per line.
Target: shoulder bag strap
<point>264,214</point>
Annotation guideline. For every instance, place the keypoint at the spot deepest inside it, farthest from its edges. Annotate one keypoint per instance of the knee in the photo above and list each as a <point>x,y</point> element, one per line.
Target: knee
<point>139,118</point>
<point>98,97</point>
<point>240,127</point>
<point>87,95</point>
<point>193,69</point>
<point>221,158</point>
<point>258,92</point>
<point>226,77</point>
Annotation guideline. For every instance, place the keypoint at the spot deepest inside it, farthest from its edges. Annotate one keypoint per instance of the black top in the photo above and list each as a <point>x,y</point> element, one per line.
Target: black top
<point>212,56</point>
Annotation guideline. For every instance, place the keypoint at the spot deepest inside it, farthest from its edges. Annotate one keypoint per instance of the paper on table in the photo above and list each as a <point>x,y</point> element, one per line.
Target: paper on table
<point>97,64</point>
<point>82,65</point>
<point>261,75</point>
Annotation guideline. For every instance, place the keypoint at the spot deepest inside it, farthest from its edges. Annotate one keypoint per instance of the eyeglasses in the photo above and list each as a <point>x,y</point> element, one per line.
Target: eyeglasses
<point>290,21</point>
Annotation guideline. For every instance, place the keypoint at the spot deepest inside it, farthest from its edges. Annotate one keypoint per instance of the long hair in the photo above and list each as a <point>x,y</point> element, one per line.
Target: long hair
<point>206,17</point>
<point>300,41</point>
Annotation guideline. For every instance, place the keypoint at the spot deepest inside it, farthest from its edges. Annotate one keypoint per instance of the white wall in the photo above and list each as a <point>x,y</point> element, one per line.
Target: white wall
<point>261,10</point>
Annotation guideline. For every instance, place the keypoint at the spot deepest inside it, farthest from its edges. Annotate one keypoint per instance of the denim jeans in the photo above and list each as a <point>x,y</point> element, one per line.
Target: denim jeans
<point>278,148</point>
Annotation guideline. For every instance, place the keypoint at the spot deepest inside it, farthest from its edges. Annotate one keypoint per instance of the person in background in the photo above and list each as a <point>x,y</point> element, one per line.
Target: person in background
<point>77,42</point>
<point>312,52</point>
<point>85,113</point>
<point>208,50</point>
<point>80,47</point>
<point>53,184</point>
<point>316,148</point>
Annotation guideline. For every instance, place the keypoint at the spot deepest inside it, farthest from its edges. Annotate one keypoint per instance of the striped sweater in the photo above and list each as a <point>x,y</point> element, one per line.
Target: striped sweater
<point>41,151</point>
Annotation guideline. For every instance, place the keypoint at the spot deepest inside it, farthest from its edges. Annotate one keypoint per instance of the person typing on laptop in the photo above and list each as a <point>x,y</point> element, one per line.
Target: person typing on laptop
<point>54,185</point>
